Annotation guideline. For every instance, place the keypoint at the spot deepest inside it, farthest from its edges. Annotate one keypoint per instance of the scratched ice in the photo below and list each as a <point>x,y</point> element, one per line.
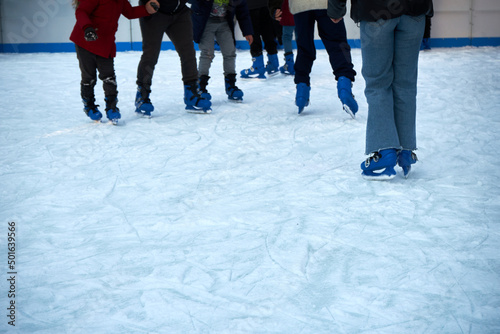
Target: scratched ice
<point>253,219</point>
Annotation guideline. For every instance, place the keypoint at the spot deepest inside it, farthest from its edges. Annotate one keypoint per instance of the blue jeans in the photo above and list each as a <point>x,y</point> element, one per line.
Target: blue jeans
<point>287,38</point>
<point>390,50</point>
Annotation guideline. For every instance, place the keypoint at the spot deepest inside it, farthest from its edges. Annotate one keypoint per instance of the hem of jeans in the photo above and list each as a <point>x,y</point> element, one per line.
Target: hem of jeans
<point>397,148</point>
<point>409,149</point>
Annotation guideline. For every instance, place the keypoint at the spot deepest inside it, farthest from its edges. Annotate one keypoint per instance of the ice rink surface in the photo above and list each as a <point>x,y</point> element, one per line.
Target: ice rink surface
<point>252,219</point>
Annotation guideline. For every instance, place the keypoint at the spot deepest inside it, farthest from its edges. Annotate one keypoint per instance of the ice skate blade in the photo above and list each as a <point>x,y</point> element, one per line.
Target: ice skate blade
<point>143,114</point>
<point>301,109</point>
<point>385,174</point>
<point>348,110</point>
<point>110,121</point>
<point>406,171</point>
<point>193,110</point>
<point>253,76</point>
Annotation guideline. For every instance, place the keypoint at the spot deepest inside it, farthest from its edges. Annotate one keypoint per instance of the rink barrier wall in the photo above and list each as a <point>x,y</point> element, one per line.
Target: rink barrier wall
<point>241,45</point>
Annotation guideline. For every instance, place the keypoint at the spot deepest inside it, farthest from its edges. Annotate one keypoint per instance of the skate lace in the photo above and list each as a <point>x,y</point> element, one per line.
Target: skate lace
<point>375,157</point>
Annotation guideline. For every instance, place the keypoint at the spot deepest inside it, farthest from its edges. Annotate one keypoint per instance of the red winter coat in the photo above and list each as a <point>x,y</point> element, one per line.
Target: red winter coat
<point>286,16</point>
<point>103,16</point>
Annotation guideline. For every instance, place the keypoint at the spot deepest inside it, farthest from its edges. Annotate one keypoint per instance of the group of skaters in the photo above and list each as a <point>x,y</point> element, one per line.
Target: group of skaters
<point>391,34</point>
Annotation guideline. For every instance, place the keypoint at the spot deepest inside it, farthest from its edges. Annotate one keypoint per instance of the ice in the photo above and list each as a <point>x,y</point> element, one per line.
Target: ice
<point>252,219</point>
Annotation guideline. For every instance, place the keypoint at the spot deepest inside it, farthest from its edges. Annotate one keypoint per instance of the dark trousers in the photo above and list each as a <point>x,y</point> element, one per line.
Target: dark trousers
<point>334,38</point>
<point>263,30</point>
<point>179,30</point>
<point>90,63</point>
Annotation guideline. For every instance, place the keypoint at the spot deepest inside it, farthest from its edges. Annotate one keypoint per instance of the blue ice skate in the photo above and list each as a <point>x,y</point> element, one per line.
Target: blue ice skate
<point>302,96</point>
<point>91,110</point>
<point>349,104</point>
<point>406,158</point>
<point>233,92</point>
<point>257,71</point>
<point>143,105</point>
<point>288,67</point>
<point>195,103</point>
<point>380,165</point>
<point>203,87</point>
<point>112,111</point>
<point>273,66</point>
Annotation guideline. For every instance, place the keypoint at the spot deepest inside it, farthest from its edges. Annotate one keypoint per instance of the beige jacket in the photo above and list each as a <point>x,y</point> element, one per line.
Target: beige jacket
<point>298,6</point>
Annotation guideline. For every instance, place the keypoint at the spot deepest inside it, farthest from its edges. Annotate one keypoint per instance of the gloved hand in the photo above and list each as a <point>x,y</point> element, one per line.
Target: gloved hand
<point>90,34</point>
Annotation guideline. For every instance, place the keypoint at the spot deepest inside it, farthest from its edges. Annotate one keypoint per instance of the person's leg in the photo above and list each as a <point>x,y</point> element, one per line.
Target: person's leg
<point>306,54</point>
<point>180,32</point>
<point>106,69</point>
<point>88,67</point>
<point>288,66</point>
<point>107,75</point>
<point>257,70</point>
<point>256,46</point>
<point>306,51</point>
<point>267,32</point>
<point>152,30</point>
<point>334,37</point>
<point>287,38</point>
<point>377,52</point>
<point>206,46</point>
<point>408,35</point>
<point>207,55</point>
<point>225,39</point>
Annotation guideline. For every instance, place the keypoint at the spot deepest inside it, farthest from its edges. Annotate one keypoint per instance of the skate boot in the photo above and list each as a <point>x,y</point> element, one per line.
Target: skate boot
<point>143,105</point>
<point>349,104</point>
<point>88,99</point>
<point>112,111</point>
<point>257,71</point>
<point>287,68</point>
<point>232,91</point>
<point>302,96</point>
<point>380,165</point>
<point>195,103</point>
<point>406,158</point>
<point>272,67</point>
<point>203,87</point>
<point>91,110</point>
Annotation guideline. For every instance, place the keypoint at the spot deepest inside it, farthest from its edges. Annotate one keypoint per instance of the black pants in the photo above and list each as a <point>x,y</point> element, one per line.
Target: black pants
<point>263,30</point>
<point>90,63</point>
<point>334,38</point>
<point>179,29</point>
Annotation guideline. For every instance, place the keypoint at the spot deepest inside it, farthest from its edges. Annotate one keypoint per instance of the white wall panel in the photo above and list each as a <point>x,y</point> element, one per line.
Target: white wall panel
<point>51,21</point>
